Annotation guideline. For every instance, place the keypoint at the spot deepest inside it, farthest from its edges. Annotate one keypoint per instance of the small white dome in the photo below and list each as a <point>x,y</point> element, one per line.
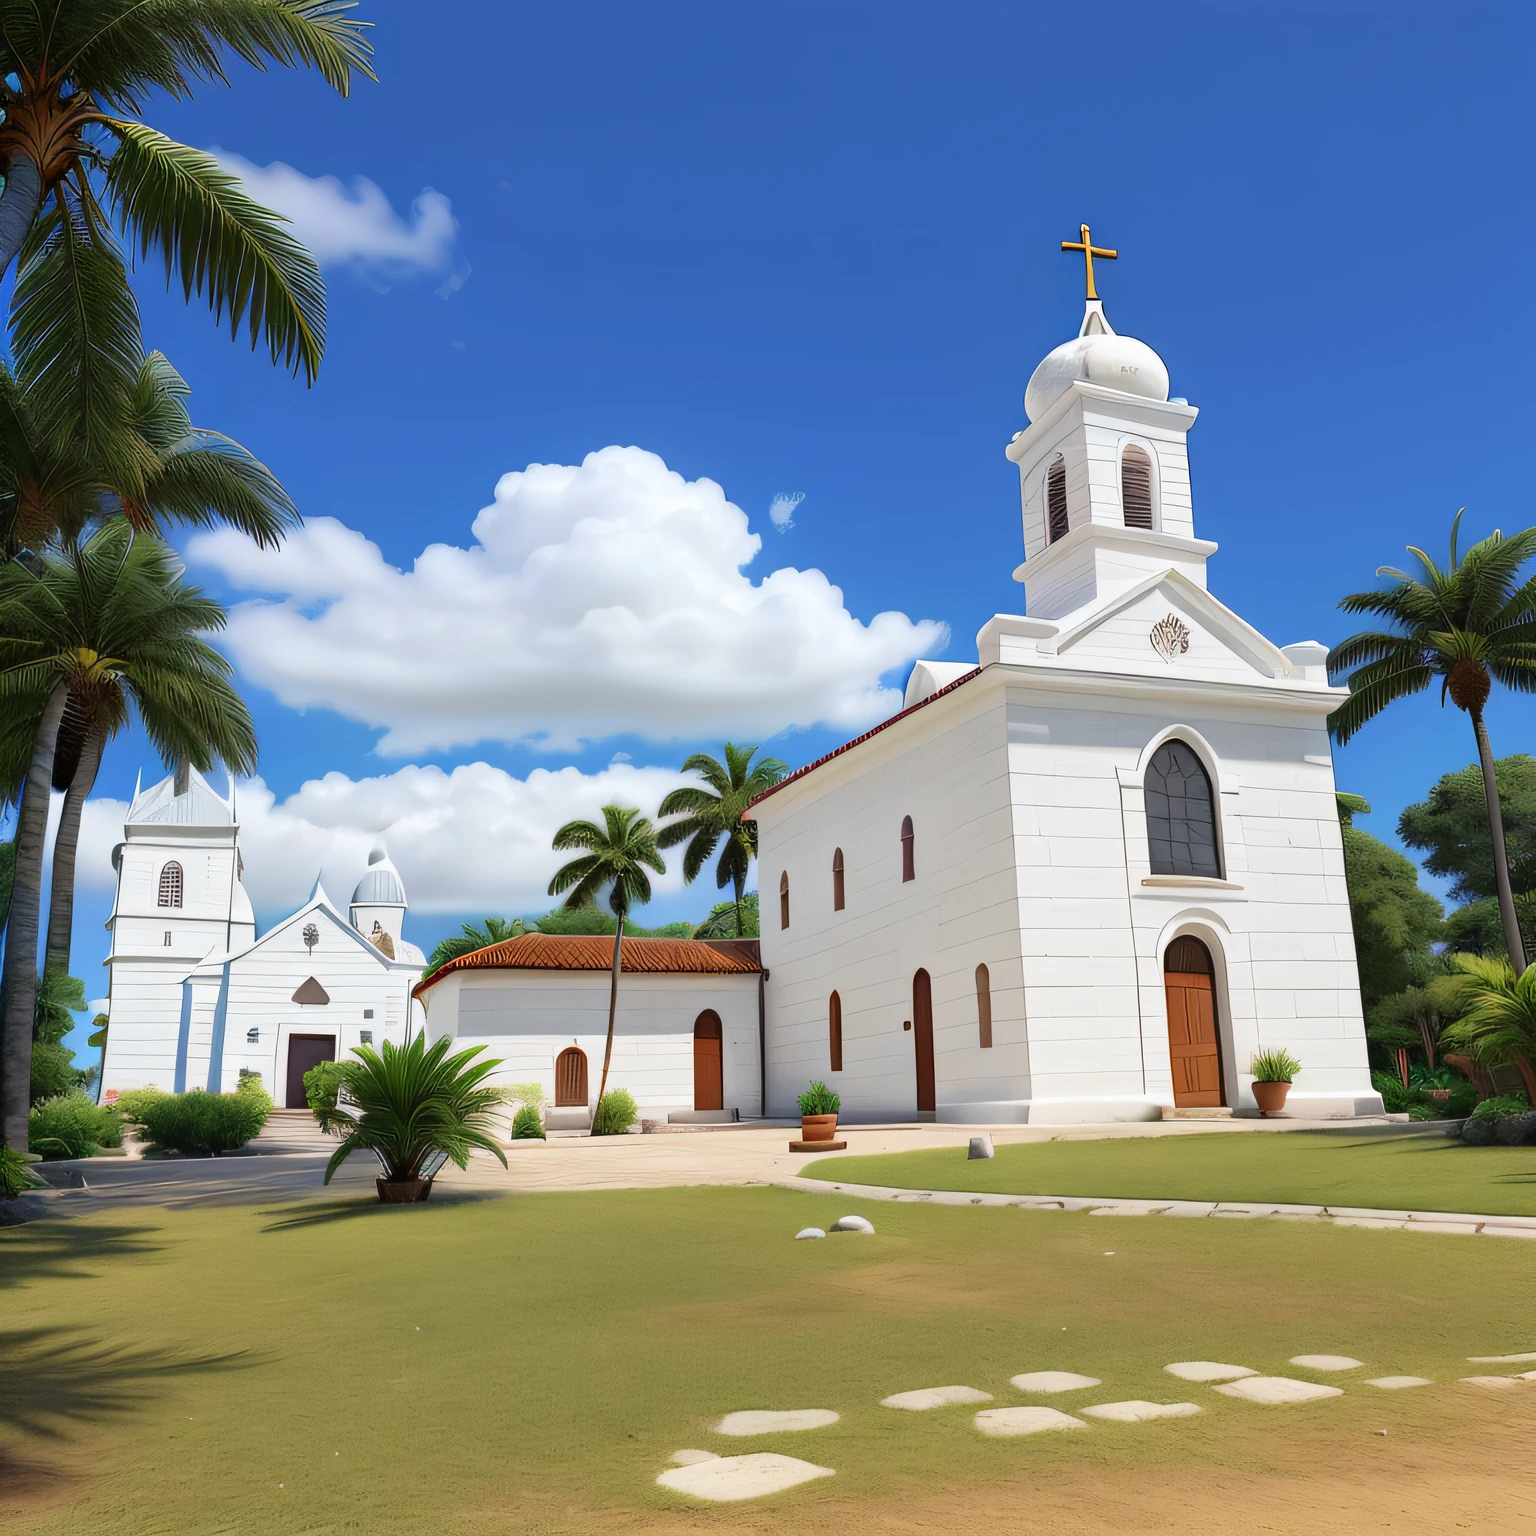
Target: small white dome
<point>1100,357</point>
<point>381,886</point>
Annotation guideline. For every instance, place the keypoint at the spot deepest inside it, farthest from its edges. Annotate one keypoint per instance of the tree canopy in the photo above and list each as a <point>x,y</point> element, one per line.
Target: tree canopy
<point>1450,826</point>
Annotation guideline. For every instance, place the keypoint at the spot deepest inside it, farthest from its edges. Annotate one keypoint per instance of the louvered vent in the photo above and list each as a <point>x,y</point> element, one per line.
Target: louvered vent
<point>1056,499</point>
<point>1136,488</point>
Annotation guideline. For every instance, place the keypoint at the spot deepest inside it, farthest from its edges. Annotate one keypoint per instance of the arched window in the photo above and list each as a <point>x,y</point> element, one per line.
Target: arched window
<point>837,879</point>
<point>170,885</point>
<point>1136,487</point>
<point>1181,814</point>
<point>908,858</point>
<point>784,900</point>
<point>835,1032</point>
<point>984,1007</point>
<point>1056,499</point>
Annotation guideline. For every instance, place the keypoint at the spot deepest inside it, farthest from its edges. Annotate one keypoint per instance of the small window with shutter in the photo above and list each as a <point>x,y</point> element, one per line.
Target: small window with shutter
<point>908,850</point>
<point>984,1007</point>
<point>784,900</point>
<point>1136,487</point>
<point>171,885</point>
<point>835,1033</point>
<point>837,880</point>
<point>1056,499</point>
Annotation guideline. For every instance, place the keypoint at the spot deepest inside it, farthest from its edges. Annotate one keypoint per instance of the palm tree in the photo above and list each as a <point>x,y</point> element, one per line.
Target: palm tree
<point>106,624</point>
<point>492,930</point>
<point>76,75</point>
<point>1497,1021</point>
<point>617,855</point>
<point>1470,625</point>
<point>716,811</point>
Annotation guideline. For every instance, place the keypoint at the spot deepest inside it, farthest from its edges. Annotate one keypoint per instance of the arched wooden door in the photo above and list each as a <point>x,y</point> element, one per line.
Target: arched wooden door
<point>571,1078</point>
<point>922,1039</point>
<point>708,1080</point>
<point>1194,1041</point>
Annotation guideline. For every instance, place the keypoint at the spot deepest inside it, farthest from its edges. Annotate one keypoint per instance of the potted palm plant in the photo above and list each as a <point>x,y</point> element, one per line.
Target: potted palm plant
<point>818,1120</point>
<point>414,1106</point>
<point>1273,1073</point>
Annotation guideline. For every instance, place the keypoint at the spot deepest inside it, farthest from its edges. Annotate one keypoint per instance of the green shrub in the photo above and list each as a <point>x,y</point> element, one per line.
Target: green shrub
<point>16,1176</point>
<point>71,1125</point>
<point>818,1099</point>
<point>53,1070</point>
<point>321,1085</point>
<point>616,1112</point>
<point>1501,1108</point>
<point>529,1095</point>
<point>200,1122</point>
<point>130,1102</point>
<point>1274,1067</point>
<point>526,1125</point>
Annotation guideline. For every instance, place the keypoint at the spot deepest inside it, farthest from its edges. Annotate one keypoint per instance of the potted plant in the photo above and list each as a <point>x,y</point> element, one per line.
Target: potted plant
<point>414,1106</point>
<point>1273,1072</point>
<point>818,1113</point>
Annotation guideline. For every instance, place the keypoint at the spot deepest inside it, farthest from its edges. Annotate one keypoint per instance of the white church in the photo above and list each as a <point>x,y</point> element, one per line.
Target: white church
<point>194,995</point>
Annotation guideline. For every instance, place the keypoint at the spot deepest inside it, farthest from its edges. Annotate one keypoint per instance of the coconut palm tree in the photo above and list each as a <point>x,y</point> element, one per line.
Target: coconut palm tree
<point>1497,1019</point>
<point>1471,625</point>
<point>105,626</point>
<point>492,930</point>
<point>716,812</point>
<point>75,76</point>
<point>615,858</point>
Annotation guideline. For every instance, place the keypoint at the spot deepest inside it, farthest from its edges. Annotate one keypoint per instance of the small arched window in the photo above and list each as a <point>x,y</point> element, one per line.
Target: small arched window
<point>784,900</point>
<point>984,1007</point>
<point>1181,814</point>
<point>908,857</point>
<point>1136,487</point>
<point>837,881</point>
<point>1056,499</point>
<point>835,1032</point>
<point>170,885</point>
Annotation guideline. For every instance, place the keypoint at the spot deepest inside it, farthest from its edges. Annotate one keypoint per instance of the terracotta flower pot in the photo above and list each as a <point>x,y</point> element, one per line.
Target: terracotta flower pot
<point>1270,1097</point>
<point>403,1191</point>
<point>818,1127</point>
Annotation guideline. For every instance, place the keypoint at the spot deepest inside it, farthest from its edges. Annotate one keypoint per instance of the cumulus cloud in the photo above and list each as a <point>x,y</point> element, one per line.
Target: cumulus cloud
<point>596,600</point>
<point>472,840</point>
<point>357,227</point>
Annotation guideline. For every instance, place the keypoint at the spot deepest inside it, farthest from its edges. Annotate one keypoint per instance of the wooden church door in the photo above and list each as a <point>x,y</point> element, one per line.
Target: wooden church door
<point>571,1078</point>
<point>708,1079</point>
<point>922,1039</point>
<point>1194,1043</point>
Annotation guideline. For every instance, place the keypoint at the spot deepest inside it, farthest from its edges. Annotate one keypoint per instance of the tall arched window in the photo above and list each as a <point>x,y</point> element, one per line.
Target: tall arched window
<point>908,858</point>
<point>1136,487</point>
<point>984,1007</point>
<point>837,882</point>
<point>170,885</point>
<point>1056,499</point>
<point>784,900</point>
<point>1181,814</point>
<point>835,1032</point>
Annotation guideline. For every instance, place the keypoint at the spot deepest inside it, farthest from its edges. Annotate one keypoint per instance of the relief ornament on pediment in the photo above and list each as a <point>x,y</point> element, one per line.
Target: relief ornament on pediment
<point>1170,637</point>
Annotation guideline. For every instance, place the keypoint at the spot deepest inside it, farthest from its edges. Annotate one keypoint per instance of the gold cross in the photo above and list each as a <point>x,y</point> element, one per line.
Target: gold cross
<point>1089,250</point>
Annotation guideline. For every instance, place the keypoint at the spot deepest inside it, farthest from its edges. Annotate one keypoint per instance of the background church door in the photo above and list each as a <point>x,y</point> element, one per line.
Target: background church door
<point>922,1039</point>
<point>304,1052</point>
<point>708,1081</point>
<point>571,1078</point>
<point>1194,1045</point>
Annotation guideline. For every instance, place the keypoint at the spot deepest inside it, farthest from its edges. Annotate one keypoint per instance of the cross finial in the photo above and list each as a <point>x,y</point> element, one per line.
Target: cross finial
<point>1089,250</point>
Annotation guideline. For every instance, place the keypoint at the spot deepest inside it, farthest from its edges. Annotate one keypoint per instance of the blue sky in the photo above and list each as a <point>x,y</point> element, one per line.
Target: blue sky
<point>814,248</point>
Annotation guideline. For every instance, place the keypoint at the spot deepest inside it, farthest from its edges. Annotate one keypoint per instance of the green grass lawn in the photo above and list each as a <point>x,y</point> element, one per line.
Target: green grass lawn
<point>1392,1172</point>
<point>528,1363</point>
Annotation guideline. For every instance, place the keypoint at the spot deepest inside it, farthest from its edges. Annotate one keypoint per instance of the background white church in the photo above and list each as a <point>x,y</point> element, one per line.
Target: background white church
<point>194,995</point>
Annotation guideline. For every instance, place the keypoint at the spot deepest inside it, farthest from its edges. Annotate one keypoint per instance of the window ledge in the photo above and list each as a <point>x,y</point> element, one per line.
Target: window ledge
<point>1199,882</point>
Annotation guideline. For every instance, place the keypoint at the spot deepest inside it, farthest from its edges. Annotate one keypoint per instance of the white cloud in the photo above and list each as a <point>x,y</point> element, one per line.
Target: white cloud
<point>781,510</point>
<point>473,840</point>
<point>597,600</point>
<point>356,226</point>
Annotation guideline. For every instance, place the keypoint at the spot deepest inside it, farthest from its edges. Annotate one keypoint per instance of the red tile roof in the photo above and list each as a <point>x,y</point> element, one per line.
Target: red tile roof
<point>884,725</point>
<point>580,952</point>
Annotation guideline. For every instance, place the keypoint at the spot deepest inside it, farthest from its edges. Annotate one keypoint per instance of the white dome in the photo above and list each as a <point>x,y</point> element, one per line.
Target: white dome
<point>381,886</point>
<point>1100,357</point>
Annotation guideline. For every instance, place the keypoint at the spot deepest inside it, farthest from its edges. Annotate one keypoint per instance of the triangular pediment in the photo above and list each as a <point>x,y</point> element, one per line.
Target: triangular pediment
<point>1168,625</point>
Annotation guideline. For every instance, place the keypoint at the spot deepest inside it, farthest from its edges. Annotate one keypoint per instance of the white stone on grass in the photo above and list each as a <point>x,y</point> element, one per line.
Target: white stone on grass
<point>690,1458</point>
<point>1053,1381</point>
<point>1530,1354</point>
<point>1024,1421</point>
<point>1397,1383</point>
<point>1494,1381</point>
<point>724,1479</point>
<point>1278,1389</point>
<point>934,1397</point>
<point>805,1232</point>
<point>852,1224</point>
<point>981,1146</point>
<point>767,1421</point>
<point>1326,1362</point>
<point>1207,1370</point>
<point>1136,1410</point>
